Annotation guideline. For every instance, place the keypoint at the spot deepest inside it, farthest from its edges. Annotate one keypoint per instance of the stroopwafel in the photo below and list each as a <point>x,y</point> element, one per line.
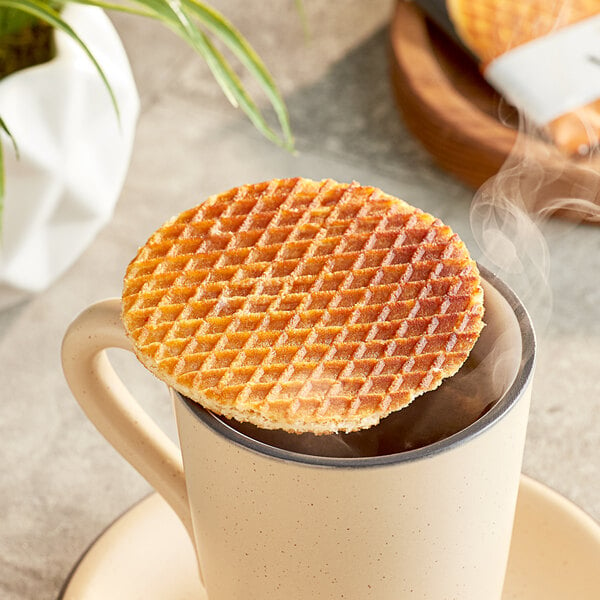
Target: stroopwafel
<point>303,305</point>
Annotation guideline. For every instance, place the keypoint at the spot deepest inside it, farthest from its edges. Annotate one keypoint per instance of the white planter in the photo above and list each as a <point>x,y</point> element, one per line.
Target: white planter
<point>74,154</point>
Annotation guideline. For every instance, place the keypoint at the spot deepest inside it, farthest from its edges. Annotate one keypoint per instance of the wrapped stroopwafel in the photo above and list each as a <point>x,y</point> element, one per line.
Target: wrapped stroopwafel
<point>543,56</point>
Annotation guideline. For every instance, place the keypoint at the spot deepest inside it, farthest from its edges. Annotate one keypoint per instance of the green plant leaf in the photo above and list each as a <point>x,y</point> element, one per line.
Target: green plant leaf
<point>233,39</point>
<point>222,71</point>
<point>198,39</point>
<point>117,7</point>
<point>46,13</point>
<point>4,128</point>
<point>303,18</point>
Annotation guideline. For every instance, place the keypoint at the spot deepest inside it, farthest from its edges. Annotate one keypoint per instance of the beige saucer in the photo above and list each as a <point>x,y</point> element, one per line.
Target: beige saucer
<point>146,554</point>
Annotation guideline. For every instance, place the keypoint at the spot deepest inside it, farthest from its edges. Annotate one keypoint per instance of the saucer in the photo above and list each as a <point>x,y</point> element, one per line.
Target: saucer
<point>146,553</point>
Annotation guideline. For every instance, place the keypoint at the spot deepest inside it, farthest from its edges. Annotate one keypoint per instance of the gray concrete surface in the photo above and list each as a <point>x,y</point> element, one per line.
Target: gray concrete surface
<point>60,482</point>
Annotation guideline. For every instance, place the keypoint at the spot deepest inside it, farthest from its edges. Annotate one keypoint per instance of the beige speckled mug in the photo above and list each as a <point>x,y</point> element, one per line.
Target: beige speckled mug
<point>432,523</point>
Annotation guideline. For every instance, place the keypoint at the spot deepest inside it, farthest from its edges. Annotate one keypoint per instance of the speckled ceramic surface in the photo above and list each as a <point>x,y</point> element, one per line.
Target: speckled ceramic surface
<point>147,554</point>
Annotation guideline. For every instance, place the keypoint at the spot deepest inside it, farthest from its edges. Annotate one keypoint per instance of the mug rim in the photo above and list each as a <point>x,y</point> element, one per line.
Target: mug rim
<point>502,407</point>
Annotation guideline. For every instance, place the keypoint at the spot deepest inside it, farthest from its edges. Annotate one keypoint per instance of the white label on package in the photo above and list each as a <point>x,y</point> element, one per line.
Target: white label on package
<point>551,75</point>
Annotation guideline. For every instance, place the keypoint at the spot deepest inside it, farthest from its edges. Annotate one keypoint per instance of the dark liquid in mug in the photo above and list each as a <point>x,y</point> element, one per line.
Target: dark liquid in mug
<point>459,401</point>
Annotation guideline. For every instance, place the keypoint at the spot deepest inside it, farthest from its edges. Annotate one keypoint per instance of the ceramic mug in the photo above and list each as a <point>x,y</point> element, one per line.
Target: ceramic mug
<point>268,523</point>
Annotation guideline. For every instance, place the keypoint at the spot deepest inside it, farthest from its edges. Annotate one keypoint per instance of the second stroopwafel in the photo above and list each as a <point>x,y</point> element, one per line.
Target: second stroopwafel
<point>302,305</point>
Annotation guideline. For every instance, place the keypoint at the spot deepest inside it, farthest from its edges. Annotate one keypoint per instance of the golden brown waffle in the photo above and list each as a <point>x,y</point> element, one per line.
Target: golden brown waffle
<point>490,28</point>
<point>302,305</point>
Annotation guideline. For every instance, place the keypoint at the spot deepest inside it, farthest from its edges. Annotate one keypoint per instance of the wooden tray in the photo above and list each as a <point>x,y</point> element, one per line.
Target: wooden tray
<point>467,127</point>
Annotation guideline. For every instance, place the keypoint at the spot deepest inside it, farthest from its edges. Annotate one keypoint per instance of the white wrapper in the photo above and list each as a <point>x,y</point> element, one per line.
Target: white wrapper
<point>552,75</point>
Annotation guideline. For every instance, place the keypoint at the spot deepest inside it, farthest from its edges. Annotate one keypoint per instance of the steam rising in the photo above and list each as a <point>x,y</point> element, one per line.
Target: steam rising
<point>510,212</point>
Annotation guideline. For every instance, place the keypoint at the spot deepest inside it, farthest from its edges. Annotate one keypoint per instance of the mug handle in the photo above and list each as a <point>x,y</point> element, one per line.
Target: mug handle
<point>113,410</point>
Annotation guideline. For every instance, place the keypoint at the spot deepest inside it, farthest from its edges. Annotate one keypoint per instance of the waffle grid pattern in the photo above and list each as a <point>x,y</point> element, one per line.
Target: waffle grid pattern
<point>492,27</point>
<point>303,305</point>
